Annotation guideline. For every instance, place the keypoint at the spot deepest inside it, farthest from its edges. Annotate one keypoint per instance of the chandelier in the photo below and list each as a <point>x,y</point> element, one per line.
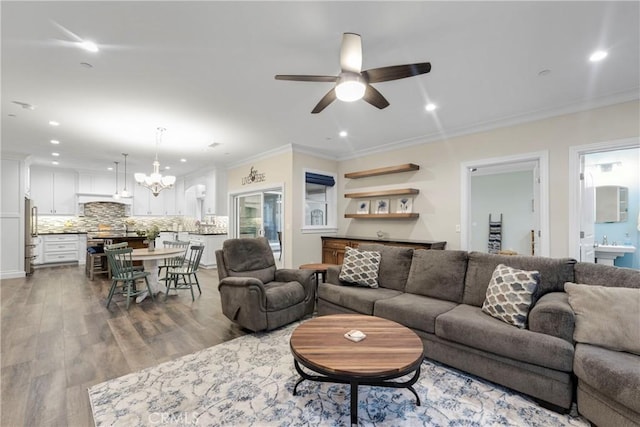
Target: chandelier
<point>156,182</point>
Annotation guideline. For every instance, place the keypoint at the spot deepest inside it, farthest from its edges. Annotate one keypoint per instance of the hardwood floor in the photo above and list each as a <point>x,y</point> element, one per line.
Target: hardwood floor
<point>58,338</point>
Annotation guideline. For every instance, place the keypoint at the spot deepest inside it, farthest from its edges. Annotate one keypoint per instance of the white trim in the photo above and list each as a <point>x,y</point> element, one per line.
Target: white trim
<point>575,152</point>
<point>287,148</point>
<point>514,120</point>
<point>542,158</point>
<point>319,230</point>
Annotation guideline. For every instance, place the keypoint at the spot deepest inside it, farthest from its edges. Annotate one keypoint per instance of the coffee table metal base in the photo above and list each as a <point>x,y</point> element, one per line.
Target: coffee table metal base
<point>355,382</point>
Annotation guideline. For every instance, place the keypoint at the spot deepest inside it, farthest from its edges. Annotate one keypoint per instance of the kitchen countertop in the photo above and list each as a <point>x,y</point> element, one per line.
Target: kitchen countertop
<point>207,234</point>
<point>49,233</point>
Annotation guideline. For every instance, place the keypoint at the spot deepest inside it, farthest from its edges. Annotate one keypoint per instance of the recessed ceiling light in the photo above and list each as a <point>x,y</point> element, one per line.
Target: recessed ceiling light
<point>55,141</point>
<point>88,45</point>
<point>110,168</point>
<point>167,168</point>
<point>54,123</point>
<point>183,160</point>
<point>55,163</point>
<point>430,107</point>
<point>598,55</point>
<point>343,133</point>
<point>55,154</point>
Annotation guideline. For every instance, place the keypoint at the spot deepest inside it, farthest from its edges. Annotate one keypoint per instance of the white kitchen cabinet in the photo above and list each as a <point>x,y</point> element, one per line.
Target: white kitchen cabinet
<point>82,249</point>
<point>99,183</point>
<point>145,203</point>
<point>211,242</point>
<point>60,248</point>
<point>38,250</point>
<point>53,191</point>
<point>179,197</point>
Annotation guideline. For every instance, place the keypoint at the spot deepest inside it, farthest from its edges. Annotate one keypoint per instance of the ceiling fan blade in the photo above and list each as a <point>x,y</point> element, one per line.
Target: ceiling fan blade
<point>395,72</point>
<point>351,53</point>
<point>375,98</point>
<point>303,78</point>
<point>325,101</point>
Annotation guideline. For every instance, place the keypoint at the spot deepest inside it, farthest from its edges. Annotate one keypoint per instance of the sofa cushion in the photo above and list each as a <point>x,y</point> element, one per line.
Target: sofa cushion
<point>282,295</point>
<point>468,325</point>
<point>554,272</point>
<point>413,311</point>
<point>613,373</point>
<point>552,315</point>
<point>249,258</point>
<point>358,299</point>
<point>606,275</point>
<point>605,316</point>
<point>360,267</point>
<point>438,274</point>
<point>509,294</point>
<point>394,264</point>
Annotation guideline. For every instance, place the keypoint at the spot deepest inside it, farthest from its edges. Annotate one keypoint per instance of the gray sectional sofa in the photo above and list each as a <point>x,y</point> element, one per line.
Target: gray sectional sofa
<point>439,295</point>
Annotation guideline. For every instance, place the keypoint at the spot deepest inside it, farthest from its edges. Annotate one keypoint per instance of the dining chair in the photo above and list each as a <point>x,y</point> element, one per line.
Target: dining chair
<point>123,271</point>
<point>186,276</point>
<point>176,261</point>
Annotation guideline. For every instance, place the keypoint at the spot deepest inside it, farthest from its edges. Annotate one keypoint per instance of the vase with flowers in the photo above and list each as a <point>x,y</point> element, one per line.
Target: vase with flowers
<point>151,234</point>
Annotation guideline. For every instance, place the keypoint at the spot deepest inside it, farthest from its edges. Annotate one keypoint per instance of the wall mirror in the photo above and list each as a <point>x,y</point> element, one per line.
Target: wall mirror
<point>612,203</point>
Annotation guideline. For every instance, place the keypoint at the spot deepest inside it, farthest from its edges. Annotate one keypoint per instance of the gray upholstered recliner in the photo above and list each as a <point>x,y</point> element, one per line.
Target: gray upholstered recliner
<point>254,293</point>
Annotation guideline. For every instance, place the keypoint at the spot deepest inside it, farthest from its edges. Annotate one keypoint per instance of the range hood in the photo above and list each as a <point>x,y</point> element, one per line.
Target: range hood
<point>105,198</point>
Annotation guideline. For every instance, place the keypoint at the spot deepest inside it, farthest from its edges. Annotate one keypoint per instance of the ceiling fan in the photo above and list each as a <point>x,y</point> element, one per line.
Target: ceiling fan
<point>353,83</point>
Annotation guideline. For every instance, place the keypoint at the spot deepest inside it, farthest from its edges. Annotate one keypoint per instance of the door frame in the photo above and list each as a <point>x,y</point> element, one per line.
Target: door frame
<point>542,160</point>
<point>279,186</point>
<point>575,152</point>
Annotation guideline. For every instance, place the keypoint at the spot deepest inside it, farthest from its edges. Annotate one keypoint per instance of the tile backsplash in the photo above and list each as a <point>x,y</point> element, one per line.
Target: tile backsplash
<point>114,216</point>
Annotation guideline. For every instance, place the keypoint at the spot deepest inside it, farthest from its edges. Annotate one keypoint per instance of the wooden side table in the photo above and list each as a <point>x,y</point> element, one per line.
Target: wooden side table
<point>320,271</point>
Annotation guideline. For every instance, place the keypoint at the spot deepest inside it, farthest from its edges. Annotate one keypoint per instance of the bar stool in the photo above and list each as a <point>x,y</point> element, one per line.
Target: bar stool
<point>96,261</point>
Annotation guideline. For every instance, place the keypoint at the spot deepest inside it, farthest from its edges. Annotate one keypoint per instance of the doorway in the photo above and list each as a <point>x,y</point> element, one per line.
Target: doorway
<point>613,163</point>
<point>259,213</point>
<point>504,206</point>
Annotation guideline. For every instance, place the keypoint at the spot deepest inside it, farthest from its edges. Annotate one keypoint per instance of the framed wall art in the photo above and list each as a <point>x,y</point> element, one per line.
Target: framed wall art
<point>382,206</point>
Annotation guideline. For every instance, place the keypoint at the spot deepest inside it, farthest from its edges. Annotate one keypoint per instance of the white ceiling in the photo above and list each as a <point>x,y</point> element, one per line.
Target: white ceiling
<point>205,71</point>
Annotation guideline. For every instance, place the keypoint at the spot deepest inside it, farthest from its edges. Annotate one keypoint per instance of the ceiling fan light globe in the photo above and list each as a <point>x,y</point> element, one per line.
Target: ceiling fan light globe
<point>350,90</point>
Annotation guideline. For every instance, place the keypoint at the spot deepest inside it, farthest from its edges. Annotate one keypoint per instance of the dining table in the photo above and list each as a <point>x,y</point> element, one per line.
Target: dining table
<point>150,260</point>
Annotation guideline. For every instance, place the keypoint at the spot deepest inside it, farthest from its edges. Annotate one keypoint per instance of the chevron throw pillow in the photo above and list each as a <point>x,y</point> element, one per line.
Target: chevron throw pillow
<point>509,294</point>
<point>360,267</point>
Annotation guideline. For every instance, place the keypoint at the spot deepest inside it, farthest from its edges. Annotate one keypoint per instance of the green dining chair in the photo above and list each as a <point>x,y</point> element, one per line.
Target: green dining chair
<point>185,276</point>
<point>124,272</point>
<point>176,261</point>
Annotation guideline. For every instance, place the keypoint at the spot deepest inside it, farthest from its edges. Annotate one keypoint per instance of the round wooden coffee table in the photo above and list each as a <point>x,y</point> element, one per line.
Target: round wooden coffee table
<point>389,351</point>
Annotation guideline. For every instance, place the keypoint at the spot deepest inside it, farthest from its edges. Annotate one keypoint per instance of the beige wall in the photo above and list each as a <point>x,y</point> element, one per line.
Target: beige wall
<point>439,176</point>
<point>307,246</point>
<point>277,172</point>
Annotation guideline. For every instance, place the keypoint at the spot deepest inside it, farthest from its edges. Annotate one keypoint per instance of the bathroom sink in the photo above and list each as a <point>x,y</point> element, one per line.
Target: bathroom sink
<point>605,254</point>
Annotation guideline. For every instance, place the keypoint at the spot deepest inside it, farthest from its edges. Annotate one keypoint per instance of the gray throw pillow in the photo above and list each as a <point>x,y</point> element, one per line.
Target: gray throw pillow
<point>510,294</point>
<point>360,267</point>
<point>606,316</point>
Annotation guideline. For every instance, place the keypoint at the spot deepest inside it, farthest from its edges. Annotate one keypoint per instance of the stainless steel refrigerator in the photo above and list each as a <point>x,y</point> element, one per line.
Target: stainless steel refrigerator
<point>30,232</point>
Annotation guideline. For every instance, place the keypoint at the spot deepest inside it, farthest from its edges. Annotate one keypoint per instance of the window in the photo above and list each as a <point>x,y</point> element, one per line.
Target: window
<point>319,201</point>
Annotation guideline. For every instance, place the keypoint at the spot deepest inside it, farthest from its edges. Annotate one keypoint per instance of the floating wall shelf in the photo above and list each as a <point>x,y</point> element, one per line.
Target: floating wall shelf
<point>384,216</point>
<point>396,192</point>
<point>408,167</point>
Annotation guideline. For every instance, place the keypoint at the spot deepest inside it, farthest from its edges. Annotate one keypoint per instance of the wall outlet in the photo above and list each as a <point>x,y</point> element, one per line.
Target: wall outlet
<point>457,228</point>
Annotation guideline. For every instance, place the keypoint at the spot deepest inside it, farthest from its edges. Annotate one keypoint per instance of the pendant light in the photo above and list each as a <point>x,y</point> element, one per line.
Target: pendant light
<point>125,194</point>
<point>116,195</point>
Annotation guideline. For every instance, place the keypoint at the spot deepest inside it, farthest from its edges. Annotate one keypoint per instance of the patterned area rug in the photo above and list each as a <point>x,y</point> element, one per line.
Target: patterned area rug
<point>249,382</point>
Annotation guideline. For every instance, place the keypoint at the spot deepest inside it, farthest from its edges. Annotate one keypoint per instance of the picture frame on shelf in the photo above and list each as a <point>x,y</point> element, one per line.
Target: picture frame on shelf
<point>382,206</point>
<point>363,207</point>
<point>405,205</point>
